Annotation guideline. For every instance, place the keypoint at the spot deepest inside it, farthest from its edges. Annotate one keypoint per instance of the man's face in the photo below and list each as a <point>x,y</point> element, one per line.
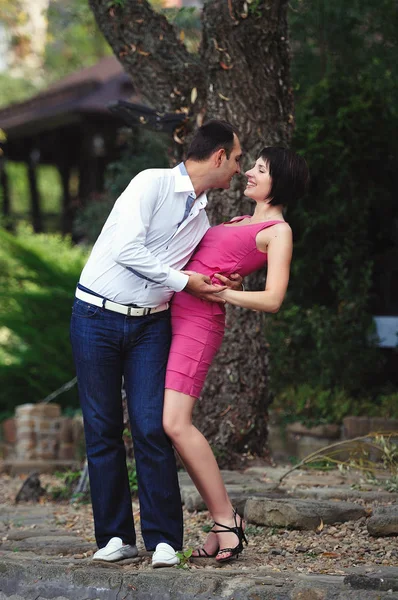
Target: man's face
<point>230,166</point>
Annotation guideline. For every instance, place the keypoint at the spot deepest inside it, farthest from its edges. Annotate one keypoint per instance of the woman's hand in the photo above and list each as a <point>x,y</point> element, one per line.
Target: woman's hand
<point>202,287</point>
<point>233,283</point>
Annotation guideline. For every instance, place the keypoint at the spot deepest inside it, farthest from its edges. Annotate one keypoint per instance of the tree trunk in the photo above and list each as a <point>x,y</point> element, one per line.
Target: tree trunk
<point>241,75</point>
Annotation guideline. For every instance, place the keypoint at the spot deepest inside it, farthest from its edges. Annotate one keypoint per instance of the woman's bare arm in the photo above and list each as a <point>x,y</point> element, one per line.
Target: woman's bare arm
<point>279,246</point>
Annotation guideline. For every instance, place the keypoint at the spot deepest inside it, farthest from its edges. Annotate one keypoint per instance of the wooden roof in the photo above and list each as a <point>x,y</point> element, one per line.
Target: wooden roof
<point>82,94</point>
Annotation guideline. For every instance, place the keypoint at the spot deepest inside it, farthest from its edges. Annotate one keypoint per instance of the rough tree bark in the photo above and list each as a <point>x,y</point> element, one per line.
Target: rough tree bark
<point>241,74</point>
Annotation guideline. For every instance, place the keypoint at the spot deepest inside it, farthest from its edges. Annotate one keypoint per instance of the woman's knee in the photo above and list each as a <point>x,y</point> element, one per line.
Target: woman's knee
<point>174,427</point>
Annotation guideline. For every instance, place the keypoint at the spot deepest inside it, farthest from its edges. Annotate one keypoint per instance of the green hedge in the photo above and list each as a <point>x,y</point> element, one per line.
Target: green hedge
<point>38,274</point>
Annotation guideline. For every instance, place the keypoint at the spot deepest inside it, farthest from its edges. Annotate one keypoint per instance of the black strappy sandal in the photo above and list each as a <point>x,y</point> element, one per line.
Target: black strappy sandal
<point>240,534</point>
<point>202,553</point>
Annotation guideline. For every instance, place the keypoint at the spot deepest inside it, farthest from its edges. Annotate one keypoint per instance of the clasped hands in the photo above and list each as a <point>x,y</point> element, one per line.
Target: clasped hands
<point>201,286</point>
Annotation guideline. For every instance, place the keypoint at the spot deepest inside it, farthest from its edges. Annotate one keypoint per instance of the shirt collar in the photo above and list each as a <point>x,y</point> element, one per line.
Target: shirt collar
<point>183,183</point>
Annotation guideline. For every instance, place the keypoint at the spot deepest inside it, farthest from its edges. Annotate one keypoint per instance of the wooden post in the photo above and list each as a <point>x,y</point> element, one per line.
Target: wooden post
<point>37,221</point>
<point>6,209</point>
<point>64,169</point>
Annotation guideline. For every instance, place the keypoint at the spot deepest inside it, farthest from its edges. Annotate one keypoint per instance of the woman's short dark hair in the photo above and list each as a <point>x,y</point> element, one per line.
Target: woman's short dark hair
<point>209,138</point>
<point>289,173</point>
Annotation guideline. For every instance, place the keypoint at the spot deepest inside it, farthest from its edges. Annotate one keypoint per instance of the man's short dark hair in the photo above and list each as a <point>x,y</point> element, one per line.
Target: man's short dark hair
<point>209,138</point>
<point>289,173</point>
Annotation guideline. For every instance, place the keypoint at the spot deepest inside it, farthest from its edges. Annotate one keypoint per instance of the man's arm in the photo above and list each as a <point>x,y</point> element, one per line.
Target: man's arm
<point>135,210</point>
<point>136,207</point>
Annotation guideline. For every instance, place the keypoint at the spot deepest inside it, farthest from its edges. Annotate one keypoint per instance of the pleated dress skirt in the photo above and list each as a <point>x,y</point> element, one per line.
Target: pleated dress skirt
<point>197,333</point>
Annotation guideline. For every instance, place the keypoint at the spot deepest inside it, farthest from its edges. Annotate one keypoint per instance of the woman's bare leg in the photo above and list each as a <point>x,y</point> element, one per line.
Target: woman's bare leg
<point>200,463</point>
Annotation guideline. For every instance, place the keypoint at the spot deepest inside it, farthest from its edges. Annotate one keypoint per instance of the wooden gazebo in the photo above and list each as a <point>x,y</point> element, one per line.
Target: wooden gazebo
<point>70,126</point>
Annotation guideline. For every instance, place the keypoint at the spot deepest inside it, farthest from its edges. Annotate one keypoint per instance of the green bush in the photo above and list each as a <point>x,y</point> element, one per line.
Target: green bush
<point>315,405</point>
<point>312,406</point>
<point>68,483</point>
<point>385,405</point>
<point>38,275</point>
<point>324,347</point>
<point>346,251</point>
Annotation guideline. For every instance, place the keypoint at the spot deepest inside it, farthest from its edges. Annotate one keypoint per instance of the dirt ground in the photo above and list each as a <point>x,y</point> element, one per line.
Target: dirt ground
<point>332,550</point>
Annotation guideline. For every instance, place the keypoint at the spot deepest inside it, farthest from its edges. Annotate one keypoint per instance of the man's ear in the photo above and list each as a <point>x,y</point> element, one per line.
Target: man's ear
<point>219,156</point>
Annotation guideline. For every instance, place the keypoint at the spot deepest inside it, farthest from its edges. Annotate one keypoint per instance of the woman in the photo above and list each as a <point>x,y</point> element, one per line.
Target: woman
<point>241,246</point>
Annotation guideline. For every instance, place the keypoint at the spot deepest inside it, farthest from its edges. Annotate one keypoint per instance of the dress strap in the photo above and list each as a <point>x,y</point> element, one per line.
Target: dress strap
<point>267,224</point>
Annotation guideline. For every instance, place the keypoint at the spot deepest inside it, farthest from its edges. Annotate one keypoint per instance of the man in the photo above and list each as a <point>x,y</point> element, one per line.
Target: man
<point>120,327</point>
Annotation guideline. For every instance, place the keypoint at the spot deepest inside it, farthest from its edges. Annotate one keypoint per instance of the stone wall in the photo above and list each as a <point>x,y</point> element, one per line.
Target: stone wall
<point>40,432</point>
<point>295,440</point>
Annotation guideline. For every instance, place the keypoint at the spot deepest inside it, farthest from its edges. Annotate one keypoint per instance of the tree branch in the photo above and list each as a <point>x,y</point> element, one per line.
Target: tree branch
<point>147,45</point>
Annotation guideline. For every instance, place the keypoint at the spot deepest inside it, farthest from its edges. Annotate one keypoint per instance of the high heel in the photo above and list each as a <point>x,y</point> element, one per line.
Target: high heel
<point>240,534</point>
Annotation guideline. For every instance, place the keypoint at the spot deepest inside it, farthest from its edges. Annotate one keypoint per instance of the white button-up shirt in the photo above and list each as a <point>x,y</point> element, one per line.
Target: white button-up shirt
<point>150,234</point>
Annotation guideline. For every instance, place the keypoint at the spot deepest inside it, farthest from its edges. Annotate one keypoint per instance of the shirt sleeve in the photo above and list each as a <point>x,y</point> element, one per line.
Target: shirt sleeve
<point>135,209</point>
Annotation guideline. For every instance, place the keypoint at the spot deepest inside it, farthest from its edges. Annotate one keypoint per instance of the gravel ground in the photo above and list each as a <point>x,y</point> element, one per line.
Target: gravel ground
<point>332,550</point>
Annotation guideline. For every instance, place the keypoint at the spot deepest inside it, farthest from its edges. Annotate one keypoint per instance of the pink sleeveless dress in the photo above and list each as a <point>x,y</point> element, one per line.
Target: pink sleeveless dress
<point>197,325</point>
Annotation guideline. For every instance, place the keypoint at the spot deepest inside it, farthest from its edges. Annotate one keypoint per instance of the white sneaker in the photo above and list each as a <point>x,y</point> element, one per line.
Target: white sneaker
<point>164,556</point>
<point>115,550</point>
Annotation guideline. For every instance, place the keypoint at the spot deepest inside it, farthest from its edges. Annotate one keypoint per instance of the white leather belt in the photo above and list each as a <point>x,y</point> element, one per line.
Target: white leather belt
<point>130,311</point>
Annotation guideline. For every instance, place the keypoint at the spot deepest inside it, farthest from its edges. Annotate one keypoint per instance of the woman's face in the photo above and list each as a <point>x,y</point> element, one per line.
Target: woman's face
<point>259,181</point>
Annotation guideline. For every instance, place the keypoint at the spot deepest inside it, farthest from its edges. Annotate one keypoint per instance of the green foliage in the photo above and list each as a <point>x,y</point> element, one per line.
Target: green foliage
<point>50,191</point>
<point>15,89</point>
<point>132,475</point>
<point>255,7</point>
<point>69,481</point>
<point>184,557</point>
<point>326,347</point>
<point>386,406</point>
<point>38,274</point>
<point>74,40</point>
<point>323,343</point>
<point>312,406</point>
<point>144,151</point>
<point>357,39</point>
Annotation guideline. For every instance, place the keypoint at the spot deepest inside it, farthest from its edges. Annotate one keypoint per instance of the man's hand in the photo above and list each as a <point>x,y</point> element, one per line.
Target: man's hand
<point>200,286</point>
<point>233,283</point>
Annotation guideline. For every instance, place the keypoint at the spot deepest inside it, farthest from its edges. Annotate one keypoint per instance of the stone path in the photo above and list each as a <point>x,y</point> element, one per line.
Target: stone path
<point>41,559</point>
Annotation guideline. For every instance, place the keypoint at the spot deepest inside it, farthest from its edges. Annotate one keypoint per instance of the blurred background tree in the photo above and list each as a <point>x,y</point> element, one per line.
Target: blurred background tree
<point>346,229</point>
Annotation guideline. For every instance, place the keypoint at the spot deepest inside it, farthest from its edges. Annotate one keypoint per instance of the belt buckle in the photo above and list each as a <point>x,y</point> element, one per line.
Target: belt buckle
<point>145,311</point>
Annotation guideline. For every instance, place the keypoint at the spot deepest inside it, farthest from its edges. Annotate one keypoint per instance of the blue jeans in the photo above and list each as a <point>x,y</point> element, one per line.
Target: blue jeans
<point>106,347</point>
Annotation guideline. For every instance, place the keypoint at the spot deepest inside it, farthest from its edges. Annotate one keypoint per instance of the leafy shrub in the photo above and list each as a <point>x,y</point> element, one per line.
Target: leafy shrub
<point>38,275</point>
<point>312,406</point>
<point>324,347</point>
<point>68,483</point>
<point>346,251</point>
<point>384,405</point>
<point>132,475</point>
